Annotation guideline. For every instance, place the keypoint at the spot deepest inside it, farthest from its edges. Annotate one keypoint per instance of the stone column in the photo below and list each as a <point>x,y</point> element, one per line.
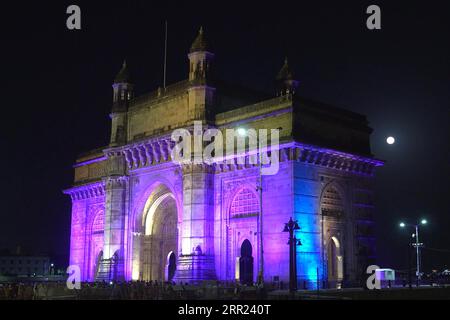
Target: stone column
<point>136,266</point>
<point>196,262</point>
<point>114,248</point>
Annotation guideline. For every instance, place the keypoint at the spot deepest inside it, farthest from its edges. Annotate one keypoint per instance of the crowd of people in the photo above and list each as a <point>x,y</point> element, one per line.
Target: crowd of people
<point>139,290</point>
<point>17,291</point>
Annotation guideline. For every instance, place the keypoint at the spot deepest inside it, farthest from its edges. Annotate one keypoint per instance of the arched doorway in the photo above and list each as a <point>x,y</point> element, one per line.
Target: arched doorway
<point>159,244</point>
<point>171,266</point>
<point>333,230</point>
<point>246,263</point>
<point>96,254</point>
<point>335,262</point>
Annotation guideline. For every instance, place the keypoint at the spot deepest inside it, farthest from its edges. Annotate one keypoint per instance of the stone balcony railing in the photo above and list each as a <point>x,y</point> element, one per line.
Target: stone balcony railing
<point>158,150</point>
<point>161,93</point>
<point>257,108</point>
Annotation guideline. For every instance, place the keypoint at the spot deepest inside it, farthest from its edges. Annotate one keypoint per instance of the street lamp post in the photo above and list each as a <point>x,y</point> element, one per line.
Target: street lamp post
<point>409,266</point>
<point>290,227</point>
<point>417,245</point>
<point>417,252</point>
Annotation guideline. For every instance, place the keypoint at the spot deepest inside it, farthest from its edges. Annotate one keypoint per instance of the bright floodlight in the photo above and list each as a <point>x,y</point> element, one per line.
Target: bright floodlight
<point>402,224</point>
<point>242,132</point>
<point>424,221</point>
<point>390,140</point>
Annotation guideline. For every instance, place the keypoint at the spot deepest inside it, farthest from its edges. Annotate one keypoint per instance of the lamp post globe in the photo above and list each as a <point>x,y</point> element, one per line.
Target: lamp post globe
<point>242,132</point>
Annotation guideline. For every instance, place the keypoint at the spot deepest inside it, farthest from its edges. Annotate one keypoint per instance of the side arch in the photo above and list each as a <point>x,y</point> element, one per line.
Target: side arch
<point>96,241</point>
<point>334,213</point>
<point>242,210</point>
<point>335,261</point>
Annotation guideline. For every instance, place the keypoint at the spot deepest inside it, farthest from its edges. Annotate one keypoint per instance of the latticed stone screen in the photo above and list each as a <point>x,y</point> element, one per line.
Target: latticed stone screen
<point>332,203</point>
<point>244,204</point>
<point>98,224</point>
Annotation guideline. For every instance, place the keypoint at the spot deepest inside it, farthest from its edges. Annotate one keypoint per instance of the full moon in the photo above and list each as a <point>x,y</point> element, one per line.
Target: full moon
<point>390,140</point>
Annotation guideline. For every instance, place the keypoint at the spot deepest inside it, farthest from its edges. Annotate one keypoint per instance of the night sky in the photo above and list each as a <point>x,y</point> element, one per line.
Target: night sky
<point>56,96</point>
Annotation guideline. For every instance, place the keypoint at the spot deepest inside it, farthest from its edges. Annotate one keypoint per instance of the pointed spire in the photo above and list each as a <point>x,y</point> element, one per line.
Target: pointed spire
<point>124,74</point>
<point>285,73</point>
<point>285,79</point>
<point>199,43</point>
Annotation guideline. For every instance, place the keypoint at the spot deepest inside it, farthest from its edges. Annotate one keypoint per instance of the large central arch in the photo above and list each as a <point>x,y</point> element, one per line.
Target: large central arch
<point>156,243</point>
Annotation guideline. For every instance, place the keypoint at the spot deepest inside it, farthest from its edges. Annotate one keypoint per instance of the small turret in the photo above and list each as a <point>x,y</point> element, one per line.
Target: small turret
<point>123,89</point>
<point>123,93</point>
<point>286,84</point>
<point>201,91</point>
<point>200,58</point>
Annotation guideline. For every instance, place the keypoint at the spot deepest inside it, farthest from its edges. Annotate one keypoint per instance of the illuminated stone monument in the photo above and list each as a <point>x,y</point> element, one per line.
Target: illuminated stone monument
<point>139,215</point>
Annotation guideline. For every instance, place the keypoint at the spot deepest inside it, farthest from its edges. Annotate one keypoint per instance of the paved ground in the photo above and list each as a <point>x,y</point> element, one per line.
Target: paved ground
<point>399,293</point>
<point>140,291</point>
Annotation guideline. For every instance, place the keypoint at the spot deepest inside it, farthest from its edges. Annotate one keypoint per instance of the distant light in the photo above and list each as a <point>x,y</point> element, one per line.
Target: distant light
<point>390,140</point>
<point>52,265</point>
<point>402,224</point>
<point>242,132</point>
<point>111,283</point>
<point>424,221</point>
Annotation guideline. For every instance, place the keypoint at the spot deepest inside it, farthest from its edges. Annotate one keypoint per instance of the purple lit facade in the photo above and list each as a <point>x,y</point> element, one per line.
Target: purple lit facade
<point>137,215</point>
